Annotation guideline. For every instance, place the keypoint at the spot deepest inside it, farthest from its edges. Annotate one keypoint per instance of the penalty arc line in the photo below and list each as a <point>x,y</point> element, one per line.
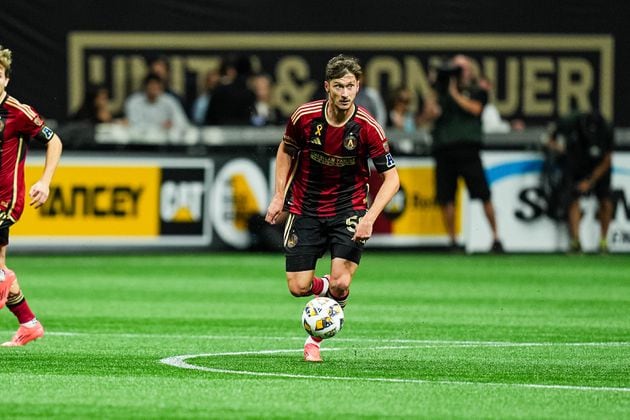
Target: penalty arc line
<point>181,362</point>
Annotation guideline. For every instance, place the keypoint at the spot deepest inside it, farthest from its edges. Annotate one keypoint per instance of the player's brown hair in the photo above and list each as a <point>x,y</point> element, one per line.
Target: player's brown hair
<point>5,60</point>
<point>340,65</point>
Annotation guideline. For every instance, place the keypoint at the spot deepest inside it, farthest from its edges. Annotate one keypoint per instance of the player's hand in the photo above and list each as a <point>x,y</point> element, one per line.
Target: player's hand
<point>363,231</point>
<point>274,211</point>
<point>39,194</point>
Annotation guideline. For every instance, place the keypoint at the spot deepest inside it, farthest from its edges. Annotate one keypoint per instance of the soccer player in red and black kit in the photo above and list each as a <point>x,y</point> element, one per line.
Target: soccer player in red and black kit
<point>321,187</point>
<point>18,124</point>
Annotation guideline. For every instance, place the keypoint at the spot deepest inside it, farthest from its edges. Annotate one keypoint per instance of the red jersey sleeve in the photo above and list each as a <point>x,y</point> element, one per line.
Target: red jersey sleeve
<point>292,136</point>
<point>33,125</point>
<point>378,147</point>
<point>377,141</point>
<point>374,133</point>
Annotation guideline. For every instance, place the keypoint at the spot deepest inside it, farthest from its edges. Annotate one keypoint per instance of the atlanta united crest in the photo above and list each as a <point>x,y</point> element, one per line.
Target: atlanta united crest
<point>292,240</point>
<point>350,142</point>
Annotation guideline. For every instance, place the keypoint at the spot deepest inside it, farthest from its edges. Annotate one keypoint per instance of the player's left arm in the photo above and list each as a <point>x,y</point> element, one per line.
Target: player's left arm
<point>39,190</point>
<point>378,151</point>
<point>390,186</point>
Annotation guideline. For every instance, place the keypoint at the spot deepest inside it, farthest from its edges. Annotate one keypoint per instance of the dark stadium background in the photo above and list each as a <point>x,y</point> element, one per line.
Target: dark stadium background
<point>38,29</point>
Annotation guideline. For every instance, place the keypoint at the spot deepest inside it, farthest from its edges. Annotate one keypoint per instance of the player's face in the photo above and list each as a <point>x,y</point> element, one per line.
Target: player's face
<point>341,92</point>
<point>4,81</point>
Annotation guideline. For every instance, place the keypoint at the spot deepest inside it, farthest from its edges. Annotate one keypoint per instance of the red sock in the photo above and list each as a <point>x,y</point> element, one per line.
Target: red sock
<point>316,339</point>
<point>317,286</point>
<point>22,311</point>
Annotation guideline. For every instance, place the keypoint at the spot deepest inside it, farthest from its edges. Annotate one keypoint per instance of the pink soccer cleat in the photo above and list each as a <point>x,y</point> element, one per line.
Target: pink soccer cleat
<point>311,353</point>
<point>8,277</point>
<point>25,335</point>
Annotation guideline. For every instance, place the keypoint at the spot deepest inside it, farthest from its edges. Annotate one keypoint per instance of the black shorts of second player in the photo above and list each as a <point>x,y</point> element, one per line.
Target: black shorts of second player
<point>453,163</point>
<point>601,189</point>
<point>4,231</point>
<point>306,239</point>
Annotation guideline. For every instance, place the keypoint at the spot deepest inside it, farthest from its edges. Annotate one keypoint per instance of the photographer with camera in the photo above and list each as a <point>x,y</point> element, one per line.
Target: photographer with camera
<point>454,108</point>
<point>582,144</point>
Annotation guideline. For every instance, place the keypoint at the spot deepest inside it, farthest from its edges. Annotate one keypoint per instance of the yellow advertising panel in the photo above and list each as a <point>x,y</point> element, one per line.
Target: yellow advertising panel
<point>422,216</point>
<point>94,200</point>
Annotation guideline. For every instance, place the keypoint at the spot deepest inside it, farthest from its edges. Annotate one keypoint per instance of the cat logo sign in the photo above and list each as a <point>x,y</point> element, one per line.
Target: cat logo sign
<point>181,202</point>
<point>240,191</point>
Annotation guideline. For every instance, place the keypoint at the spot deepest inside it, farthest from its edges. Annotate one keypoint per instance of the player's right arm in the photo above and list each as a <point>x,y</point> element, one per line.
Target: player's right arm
<point>284,162</point>
<point>286,156</point>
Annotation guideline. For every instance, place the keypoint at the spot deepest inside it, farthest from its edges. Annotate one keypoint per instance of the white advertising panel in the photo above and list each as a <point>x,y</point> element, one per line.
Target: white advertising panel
<point>515,180</point>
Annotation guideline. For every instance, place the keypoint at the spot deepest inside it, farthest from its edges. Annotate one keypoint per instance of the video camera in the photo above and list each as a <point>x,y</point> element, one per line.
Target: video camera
<point>444,73</point>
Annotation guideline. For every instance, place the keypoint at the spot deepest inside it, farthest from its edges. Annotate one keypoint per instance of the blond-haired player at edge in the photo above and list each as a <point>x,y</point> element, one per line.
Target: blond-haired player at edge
<point>19,123</point>
<point>321,187</point>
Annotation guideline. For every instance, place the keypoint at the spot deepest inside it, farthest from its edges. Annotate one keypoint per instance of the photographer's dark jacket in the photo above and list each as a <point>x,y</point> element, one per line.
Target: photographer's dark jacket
<point>588,138</point>
<point>456,126</point>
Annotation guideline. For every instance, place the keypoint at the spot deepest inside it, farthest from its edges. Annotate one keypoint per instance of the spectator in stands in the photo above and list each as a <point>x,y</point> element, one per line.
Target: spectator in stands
<point>96,107</point>
<point>201,103</point>
<point>152,110</point>
<point>161,67</point>
<point>586,141</point>
<point>371,99</point>
<point>265,112</point>
<point>79,131</point>
<point>232,101</point>
<point>455,108</point>
<point>400,114</point>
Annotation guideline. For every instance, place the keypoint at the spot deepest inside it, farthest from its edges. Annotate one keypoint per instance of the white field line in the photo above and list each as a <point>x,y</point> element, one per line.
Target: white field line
<point>180,362</point>
<point>347,340</point>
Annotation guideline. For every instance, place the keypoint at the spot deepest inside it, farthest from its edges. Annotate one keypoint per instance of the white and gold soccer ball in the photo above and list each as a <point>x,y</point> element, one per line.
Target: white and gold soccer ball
<point>322,317</point>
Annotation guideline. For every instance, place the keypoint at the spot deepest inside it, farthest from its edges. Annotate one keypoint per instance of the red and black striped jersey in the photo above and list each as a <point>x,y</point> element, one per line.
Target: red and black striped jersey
<point>330,172</point>
<point>18,124</point>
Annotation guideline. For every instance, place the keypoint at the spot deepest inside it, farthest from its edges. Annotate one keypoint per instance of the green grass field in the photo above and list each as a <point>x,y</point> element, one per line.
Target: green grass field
<point>426,335</point>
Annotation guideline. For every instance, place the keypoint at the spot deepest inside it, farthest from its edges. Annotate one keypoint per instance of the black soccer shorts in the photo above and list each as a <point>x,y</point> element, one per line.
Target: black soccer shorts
<point>4,231</point>
<point>307,238</point>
